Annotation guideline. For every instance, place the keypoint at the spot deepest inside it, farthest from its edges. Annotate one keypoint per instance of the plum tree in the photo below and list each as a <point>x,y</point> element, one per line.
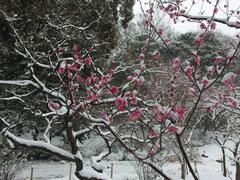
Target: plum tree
<point>151,105</point>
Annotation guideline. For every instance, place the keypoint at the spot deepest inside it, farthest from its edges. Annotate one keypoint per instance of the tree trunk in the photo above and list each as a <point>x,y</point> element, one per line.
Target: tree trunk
<point>237,171</point>
<point>79,167</point>
<point>73,142</point>
<point>183,169</point>
<point>224,162</point>
<point>235,154</point>
<point>184,154</point>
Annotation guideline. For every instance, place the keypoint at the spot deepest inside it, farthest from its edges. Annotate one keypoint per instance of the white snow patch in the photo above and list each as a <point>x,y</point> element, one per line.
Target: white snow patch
<point>91,173</point>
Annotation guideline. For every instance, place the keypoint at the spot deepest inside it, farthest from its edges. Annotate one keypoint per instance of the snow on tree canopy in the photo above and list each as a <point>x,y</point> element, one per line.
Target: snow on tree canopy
<point>229,77</point>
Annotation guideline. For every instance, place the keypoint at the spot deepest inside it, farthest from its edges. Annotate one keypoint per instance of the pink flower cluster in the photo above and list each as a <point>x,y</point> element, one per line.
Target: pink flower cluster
<point>53,106</point>
<point>121,103</point>
<point>135,114</point>
<point>181,112</point>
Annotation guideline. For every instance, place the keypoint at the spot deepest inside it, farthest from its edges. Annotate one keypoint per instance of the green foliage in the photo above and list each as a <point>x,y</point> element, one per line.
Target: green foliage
<point>208,50</point>
<point>45,25</point>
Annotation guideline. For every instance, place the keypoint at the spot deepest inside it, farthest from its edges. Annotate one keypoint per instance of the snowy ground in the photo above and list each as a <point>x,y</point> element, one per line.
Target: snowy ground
<point>54,170</point>
<point>207,169</point>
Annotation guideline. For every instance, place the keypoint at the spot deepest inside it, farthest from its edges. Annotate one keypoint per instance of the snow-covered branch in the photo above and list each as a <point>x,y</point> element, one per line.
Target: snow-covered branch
<point>39,145</point>
<point>219,20</point>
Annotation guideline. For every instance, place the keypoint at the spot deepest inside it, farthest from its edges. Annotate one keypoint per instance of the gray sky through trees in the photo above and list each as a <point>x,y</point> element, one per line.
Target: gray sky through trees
<point>200,6</point>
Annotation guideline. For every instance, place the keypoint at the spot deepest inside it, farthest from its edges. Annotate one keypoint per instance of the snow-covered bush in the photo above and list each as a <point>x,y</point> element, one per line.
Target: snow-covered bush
<point>11,163</point>
<point>144,172</point>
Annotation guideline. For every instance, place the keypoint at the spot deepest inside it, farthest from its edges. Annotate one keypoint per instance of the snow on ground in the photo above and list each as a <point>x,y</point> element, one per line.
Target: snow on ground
<point>58,171</point>
<point>208,168</point>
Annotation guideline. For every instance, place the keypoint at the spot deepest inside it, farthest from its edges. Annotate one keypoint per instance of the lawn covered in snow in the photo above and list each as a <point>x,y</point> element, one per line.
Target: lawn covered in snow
<point>208,168</point>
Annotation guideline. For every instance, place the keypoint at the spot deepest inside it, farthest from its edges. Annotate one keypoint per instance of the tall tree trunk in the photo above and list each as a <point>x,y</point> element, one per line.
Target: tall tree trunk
<point>183,169</point>
<point>224,162</point>
<point>237,171</point>
<point>235,154</point>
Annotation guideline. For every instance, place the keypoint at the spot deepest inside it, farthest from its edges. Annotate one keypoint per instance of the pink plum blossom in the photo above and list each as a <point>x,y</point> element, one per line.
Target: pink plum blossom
<point>156,55</point>
<point>199,40</point>
<point>153,132</point>
<point>172,129</point>
<point>176,63</point>
<point>88,61</point>
<point>211,70</point>
<point>73,67</point>
<point>219,59</point>
<point>114,89</point>
<point>61,70</point>
<point>79,78</point>
<point>134,100</point>
<point>213,25</point>
<point>154,149</point>
<point>105,79</point>
<point>197,60</point>
<point>139,81</point>
<point>135,114</point>
<point>93,97</point>
<point>141,57</point>
<point>228,78</point>
<point>181,111</point>
<point>62,67</point>
<point>205,81</point>
<point>159,117</point>
<point>233,102</point>
<point>121,103</point>
<point>202,25</point>
<point>191,91</point>
<point>53,105</point>
<point>189,71</point>
<point>160,31</point>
